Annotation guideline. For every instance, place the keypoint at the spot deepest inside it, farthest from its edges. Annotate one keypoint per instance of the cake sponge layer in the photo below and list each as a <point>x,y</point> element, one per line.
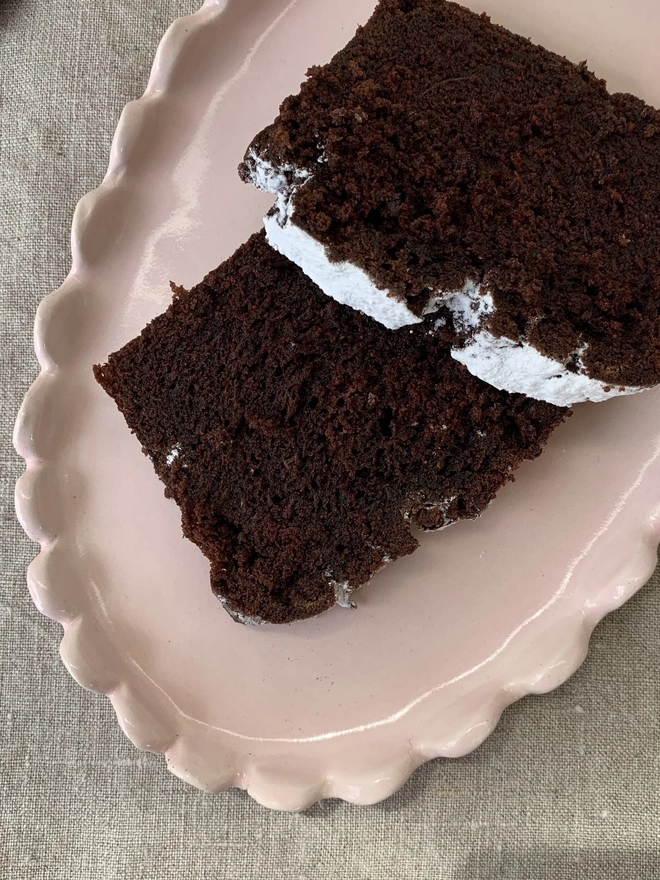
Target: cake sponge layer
<point>438,150</point>
<point>303,441</point>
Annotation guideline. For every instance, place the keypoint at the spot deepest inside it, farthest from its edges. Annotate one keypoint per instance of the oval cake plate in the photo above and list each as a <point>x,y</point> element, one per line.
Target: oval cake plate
<point>349,704</point>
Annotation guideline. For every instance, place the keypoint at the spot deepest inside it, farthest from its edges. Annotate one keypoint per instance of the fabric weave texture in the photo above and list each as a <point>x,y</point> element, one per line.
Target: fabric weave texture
<point>567,787</point>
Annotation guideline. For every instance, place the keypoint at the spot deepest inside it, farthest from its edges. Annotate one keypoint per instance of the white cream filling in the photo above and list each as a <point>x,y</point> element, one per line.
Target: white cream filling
<point>344,282</point>
<point>238,617</point>
<point>343,592</point>
<point>518,367</point>
<point>267,177</point>
<point>343,589</point>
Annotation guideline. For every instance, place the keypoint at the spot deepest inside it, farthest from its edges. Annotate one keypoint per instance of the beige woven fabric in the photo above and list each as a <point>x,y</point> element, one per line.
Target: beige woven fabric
<point>567,787</point>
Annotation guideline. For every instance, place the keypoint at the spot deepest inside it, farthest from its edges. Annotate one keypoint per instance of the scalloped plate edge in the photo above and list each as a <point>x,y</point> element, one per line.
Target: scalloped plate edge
<point>84,645</point>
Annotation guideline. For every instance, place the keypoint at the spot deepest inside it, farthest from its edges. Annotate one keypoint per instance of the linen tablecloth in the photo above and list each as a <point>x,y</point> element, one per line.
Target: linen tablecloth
<point>567,787</point>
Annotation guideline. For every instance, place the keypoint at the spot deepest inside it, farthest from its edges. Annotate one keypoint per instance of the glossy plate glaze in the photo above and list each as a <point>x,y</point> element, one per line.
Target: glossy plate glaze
<point>349,704</point>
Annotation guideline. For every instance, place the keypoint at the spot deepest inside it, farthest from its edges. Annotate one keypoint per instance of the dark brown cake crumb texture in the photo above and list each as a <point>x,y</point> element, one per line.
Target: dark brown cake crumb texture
<point>311,439</point>
<point>444,147</point>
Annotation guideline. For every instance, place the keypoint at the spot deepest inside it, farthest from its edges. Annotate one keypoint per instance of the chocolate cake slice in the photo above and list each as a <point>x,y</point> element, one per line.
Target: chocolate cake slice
<point>441,158</point>
<point>302,440</point>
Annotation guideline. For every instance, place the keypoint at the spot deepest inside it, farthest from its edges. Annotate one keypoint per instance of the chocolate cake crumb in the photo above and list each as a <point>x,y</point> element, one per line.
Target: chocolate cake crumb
<point>302,440</point>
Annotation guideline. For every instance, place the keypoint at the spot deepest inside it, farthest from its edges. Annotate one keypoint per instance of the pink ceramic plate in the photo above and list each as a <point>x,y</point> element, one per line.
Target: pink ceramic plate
<point>349,704</point>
